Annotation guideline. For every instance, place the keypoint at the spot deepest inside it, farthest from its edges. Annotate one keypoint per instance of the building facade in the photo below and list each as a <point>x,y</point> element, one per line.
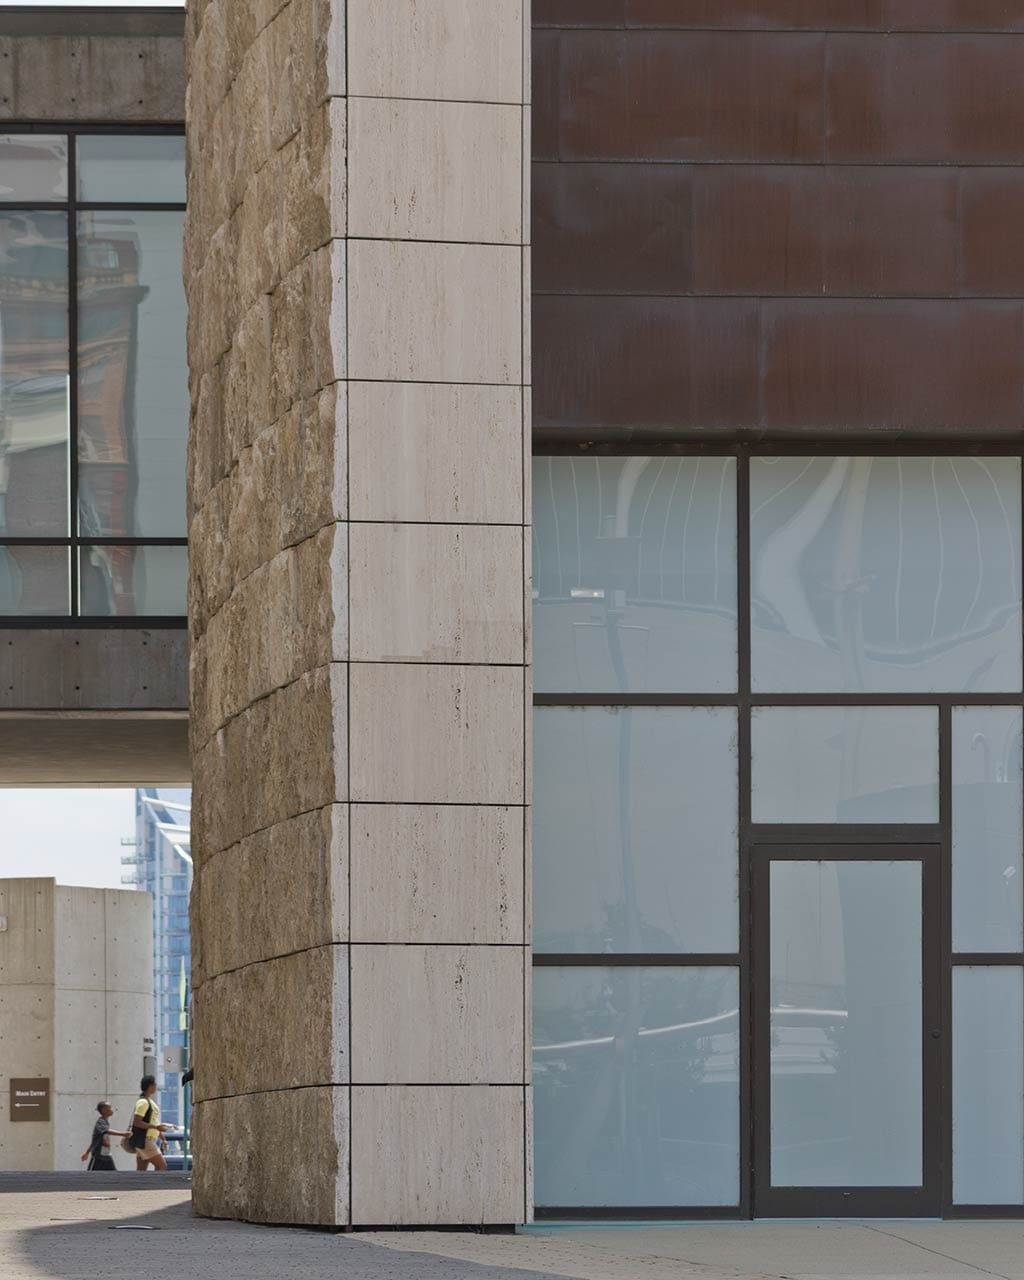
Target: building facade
<point>76,1008</point>
<point>606,673</point>
<point>161,865</point>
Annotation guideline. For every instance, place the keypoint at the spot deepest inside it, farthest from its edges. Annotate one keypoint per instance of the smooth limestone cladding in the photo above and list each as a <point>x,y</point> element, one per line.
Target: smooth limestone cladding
<point>358,274</point>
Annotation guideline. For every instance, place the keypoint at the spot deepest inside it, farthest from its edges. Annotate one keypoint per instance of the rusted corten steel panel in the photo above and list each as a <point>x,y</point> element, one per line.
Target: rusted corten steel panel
<point>770,218</point>
<point>785,15</point>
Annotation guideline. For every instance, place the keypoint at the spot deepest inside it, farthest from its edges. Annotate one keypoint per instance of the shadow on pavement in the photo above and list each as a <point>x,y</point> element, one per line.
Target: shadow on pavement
<point>179,1244</point>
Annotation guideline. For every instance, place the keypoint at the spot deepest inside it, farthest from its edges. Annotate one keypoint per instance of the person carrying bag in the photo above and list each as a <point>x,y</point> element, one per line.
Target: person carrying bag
<point>146,1129</point>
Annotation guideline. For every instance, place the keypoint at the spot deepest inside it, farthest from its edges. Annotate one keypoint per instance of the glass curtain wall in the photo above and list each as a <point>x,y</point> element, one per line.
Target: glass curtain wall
<point>93,375</point>
<point>728,648</point>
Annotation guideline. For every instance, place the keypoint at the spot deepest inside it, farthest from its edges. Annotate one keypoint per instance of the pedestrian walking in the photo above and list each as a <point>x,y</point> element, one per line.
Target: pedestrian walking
<point>98,1150</point>
<point>146,1128</point>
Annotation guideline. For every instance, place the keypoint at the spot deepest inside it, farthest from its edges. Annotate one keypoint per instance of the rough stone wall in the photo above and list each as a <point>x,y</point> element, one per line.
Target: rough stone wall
<point>264,271</point>
<point>357,272</point>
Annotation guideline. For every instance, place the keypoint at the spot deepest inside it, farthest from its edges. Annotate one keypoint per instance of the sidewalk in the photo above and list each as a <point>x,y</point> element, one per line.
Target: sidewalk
<point>49,1230</point>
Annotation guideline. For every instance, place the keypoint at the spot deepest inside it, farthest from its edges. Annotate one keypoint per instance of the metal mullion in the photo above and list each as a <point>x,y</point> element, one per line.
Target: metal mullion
<point>943,1139</point>
<point>33,206</point>
<point>787,840</point>
<point>73,580</point>
<point>975,959</point>
<point>745,899</point>
<point>634,700</point>
<point>866,699</point>
<point>124,206</point>
<point>108,540</point>
<point>635,960</point>
<point>638,446</point>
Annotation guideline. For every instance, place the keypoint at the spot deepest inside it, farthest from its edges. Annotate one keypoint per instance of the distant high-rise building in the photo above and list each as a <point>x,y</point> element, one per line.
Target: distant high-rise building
<point>161,864</point>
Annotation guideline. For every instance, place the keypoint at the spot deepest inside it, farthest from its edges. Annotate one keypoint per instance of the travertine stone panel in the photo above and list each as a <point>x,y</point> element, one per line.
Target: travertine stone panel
<point>438,1154</point>
<point>435,452</point>
<point>458,50</point>
<point>280,891</point>
<point>434,312</point>
<point>312,986</point>
<point>255,772</point>
<point>437,873</point>
<point>473,1033</point>
<point>436,593</point>
<point>277,1157</point>
<point>436,734</point>
<point>417,171</point>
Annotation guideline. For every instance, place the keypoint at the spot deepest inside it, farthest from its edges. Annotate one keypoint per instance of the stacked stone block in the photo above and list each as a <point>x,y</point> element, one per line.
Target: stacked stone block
<point>358,277</point>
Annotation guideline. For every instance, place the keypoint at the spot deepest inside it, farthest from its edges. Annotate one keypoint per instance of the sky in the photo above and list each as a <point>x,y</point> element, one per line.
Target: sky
<point>74,836</point>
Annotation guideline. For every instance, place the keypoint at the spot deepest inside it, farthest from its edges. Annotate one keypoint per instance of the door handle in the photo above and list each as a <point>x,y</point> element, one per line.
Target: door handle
<point>936,1035</point>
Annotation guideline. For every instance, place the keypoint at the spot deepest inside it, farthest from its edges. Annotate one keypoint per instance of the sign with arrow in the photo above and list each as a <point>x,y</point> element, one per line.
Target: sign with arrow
<point>30,1100</point>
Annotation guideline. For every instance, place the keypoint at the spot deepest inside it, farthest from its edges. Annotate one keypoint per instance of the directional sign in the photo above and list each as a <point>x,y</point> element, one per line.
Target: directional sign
<point>30,1100</point>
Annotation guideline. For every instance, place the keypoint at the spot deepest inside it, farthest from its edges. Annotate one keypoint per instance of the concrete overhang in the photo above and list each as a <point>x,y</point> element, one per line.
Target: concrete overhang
<point>85,749</point>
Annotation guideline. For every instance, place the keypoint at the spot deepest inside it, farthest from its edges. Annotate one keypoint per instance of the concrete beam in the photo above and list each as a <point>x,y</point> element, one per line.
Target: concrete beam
<point>68,66</point>
<point>94,750</point>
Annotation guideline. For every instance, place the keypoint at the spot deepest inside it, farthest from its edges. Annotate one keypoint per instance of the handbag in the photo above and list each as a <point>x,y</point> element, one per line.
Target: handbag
<point>132,1143</point>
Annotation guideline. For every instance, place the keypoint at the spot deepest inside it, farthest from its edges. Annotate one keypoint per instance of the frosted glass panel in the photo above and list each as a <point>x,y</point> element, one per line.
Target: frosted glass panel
<point>636,1086</point>
<point>33,166</point>
<point>132,376</point>
<point>136,169</point>
<point>634,574</point>
<point>35,581</point>
<point>846,991</point>
<point>887,574</point>
<point>988,1086</point>
<point>987,817</point>
<point>635,829</point>
<point>134,581</point>
<point>845,764</point>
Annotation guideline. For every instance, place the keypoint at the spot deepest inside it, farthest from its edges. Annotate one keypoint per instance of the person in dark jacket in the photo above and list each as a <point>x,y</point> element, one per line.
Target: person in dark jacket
<point>98,1150</point>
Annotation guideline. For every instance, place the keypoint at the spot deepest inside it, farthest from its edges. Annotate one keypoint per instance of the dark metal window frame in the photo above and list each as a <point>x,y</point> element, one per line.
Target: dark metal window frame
<point>756,841</point>
<point>74,543</point>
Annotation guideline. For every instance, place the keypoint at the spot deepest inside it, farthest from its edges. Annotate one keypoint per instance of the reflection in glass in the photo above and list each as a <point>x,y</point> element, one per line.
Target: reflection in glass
<point>636,1086</point>
<point>635,829</point>
<point>846,992</point>
<point>34,429</point>
<point>634,574</point>
<point>33,166</point>
<point>34,581</point>
<point>845,764</point>
<point>133,389</point>
<point>988,1085</point>
<point>887,574</point>
<point>133,581</point>
<point>987,829</point>
<point>134,169</point>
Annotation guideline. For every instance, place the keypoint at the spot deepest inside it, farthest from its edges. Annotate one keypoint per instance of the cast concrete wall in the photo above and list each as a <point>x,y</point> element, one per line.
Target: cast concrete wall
<point>76,1002</point>
<point>357,272</point>
<point>92,705</point>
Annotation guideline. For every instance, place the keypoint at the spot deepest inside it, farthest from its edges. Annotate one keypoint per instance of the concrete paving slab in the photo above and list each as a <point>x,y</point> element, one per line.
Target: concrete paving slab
<point>51,1229</point>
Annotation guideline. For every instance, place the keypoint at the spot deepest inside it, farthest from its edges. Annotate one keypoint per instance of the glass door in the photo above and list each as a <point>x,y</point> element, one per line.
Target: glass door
<point>848,1031</point>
